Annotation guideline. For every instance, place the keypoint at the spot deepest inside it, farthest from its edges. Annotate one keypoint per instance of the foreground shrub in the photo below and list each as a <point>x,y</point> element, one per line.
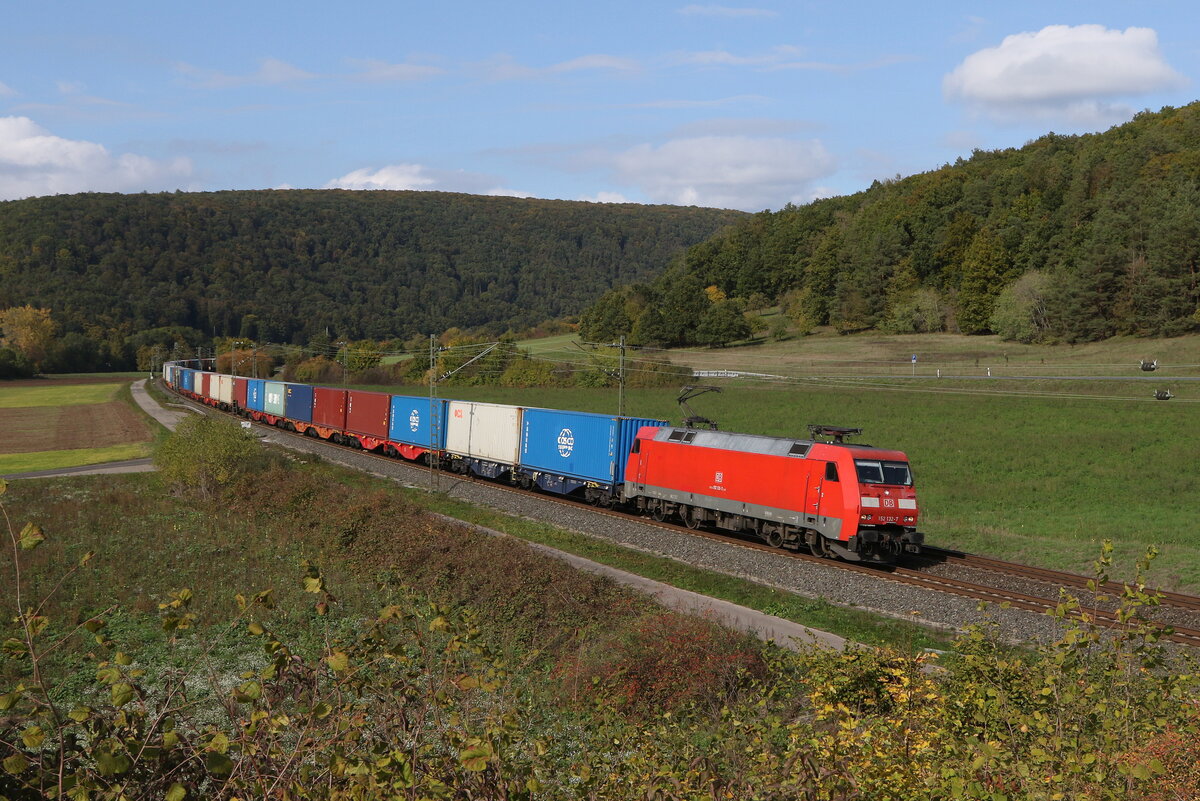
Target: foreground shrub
<point>412,704</point>
<point>661,662</point>
<point>205,454</point>
<point>413,701</point>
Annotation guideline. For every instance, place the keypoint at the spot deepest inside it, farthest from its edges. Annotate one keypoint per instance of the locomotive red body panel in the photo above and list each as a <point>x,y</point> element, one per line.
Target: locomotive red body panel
<point>763,483</point>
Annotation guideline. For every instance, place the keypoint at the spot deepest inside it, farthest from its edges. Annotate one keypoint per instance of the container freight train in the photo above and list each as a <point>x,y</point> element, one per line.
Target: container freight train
<point>839,500</point>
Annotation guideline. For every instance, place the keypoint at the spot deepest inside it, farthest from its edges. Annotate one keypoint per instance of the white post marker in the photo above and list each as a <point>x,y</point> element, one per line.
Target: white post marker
<point>914,364</point>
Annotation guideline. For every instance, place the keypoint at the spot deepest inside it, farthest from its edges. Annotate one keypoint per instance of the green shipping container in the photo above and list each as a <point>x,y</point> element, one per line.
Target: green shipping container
<point>273,397</point>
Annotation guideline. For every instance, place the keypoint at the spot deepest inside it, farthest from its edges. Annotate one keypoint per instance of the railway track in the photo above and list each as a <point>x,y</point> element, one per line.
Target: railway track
<point>897,574</point>
<point>1057,577</point>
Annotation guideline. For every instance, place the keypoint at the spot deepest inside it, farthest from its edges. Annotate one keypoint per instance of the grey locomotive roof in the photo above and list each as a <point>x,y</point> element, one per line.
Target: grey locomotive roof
<point>732,441</point>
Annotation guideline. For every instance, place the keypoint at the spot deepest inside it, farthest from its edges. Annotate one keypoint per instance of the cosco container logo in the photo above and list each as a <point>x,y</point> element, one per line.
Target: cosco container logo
<point>566,443</point>
<point>414,420</point>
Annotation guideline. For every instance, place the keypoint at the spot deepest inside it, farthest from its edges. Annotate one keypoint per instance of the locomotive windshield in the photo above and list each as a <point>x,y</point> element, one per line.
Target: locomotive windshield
<point>872,472</point>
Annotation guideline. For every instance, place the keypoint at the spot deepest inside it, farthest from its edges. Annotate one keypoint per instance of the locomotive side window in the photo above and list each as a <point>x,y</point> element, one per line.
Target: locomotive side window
<point>871,472</point>
<point>831,471</point>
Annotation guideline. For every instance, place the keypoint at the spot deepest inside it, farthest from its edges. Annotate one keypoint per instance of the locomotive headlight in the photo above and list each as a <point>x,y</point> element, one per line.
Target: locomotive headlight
<point>908,519</point>
<point>865,517</point>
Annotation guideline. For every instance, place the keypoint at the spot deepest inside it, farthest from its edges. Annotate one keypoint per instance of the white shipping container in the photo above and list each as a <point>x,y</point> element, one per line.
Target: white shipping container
<point>225,393</point>
<point>487,431</point>
<point>212,387</point>
<point>166,372</point>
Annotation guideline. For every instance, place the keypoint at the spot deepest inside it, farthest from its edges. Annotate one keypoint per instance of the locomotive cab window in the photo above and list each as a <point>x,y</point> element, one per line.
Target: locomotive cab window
<point>872,472</point>
<point>831,471</point>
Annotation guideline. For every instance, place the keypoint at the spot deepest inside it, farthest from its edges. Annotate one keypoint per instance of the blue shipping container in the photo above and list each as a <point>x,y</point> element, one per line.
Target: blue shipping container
<point>189,379</point>
<point>413,419</point>
<point>254,394</point>
<point>591,447</point>
<point>298,402</point>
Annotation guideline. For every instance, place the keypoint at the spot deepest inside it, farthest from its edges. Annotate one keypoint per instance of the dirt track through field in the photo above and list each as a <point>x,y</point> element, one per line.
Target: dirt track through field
<point>49,428</point>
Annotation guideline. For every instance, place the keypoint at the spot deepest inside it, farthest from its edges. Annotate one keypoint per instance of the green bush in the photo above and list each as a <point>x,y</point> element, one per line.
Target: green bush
<point>205,454</point>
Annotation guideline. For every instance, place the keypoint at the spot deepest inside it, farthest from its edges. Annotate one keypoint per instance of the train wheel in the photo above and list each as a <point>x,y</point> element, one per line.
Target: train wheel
<point>774,538</point>
<point>658,513</point>
<point>690,518</point>
<point>819,548</point>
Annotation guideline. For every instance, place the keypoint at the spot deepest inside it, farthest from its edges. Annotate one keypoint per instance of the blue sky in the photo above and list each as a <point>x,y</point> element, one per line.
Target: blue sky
<point>715,104</point>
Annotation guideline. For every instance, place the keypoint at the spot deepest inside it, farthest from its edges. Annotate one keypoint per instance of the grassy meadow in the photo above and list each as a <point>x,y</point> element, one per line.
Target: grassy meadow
<point>56,423</point>
<point>1061,448</point>
<point>55,394</point>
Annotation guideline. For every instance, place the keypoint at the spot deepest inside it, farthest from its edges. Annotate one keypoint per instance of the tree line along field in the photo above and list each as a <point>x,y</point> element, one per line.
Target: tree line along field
<point>68,422</point>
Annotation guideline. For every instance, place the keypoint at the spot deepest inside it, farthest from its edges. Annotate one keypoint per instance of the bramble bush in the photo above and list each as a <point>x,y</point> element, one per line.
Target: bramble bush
<point>661,662</point>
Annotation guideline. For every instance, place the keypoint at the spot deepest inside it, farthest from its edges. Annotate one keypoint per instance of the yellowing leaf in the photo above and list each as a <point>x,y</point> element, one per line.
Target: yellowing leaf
<point>476,759</point>
<point>15,764</point>
<point>33,736</point>
<point>338,661</point>
<point>31,537</point>
<point>122,694</point>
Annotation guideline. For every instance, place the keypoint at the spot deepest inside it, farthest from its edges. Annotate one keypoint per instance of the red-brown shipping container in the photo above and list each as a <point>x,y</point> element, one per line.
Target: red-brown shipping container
<point>201,385</point>
<point>239,391</point>
<point>329,407</point>
<point>367,413</point>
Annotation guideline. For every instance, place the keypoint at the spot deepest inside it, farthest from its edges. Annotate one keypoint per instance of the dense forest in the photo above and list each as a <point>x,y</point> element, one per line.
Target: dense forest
<point>1068,239</point>
<point>283,266</point>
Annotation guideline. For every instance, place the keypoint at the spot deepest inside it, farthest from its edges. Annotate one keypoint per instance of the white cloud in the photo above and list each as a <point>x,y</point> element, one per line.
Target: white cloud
<point>393,176</point>
<point>420,177</point>
<point>738,172</point>
<point>383,71</point>
<point>35,162</point>
<point>501,191</point>
<point>271,72</point>
<point>714,102</point>
<point>1062,71</point>
<point>605,197</point>
<point>6,90</point>
<point>723,58</point>
<point>711,10</point>
<point>504,68</point>
<point>596,61</point>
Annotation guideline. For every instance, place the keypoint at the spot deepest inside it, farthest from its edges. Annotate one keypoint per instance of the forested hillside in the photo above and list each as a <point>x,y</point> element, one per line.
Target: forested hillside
<point>284,265</point>
<point>1069,238</point>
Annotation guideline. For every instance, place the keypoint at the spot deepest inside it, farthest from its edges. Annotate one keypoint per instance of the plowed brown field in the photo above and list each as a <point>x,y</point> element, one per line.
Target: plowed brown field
<point>49,428</point>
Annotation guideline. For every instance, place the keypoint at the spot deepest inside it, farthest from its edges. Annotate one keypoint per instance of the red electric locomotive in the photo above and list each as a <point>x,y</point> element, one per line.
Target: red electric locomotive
<point>842,500</point>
